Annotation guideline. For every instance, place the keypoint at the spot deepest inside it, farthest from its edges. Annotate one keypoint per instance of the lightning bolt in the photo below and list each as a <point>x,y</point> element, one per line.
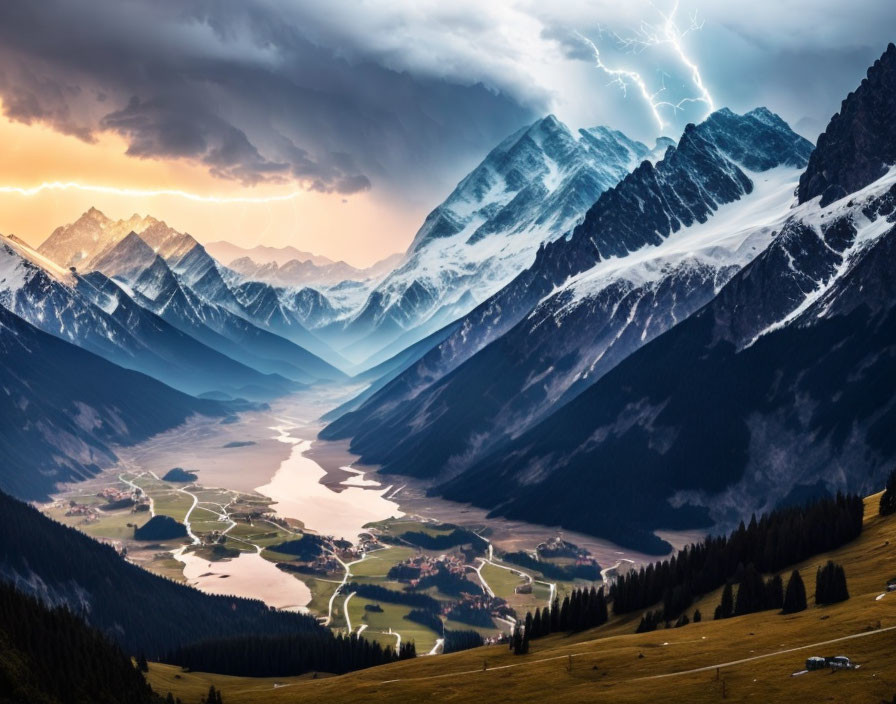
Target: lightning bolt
<point>619,76</point>
<point>143,193</point>
<point>650,35</point>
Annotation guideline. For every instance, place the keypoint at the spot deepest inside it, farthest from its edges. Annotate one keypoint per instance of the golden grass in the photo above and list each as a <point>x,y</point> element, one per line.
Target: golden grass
<point>614,664</point>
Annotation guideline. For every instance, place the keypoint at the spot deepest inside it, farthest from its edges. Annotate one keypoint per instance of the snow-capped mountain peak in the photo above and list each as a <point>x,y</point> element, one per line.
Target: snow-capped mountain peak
<point>532,188</point>
<point>77,243</point>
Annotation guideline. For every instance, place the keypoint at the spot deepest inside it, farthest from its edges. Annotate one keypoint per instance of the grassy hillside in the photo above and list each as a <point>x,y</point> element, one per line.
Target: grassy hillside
<point>746,658</point>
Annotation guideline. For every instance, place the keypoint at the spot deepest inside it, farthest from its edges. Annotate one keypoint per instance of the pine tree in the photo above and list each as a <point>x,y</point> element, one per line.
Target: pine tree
<point>795,595</point>
<point>726,608</point>
<point>524,644</point>
<point>649,622</point>
<point>142,665</point>
<point>830,584</point>
<point>888,500</point>
<point>698,617</point>
<point>774,593</point>
<point>545,627</point>
<point>555,616</point>
<point>564,615</point>
<point>602,612</point>
<point>516,641</point>
<point>536,624</point>
<point>750,593</point>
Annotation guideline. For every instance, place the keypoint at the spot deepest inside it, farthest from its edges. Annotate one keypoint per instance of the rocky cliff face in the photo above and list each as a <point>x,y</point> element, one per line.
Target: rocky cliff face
<point>860,141</point>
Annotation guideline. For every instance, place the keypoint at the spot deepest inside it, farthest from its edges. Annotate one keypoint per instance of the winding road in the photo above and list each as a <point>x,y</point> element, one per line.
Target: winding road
<point>348,621</point>
<point>490,560</point>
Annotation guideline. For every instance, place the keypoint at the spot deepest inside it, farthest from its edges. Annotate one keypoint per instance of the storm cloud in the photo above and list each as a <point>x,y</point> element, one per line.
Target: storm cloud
<point>343,96</point>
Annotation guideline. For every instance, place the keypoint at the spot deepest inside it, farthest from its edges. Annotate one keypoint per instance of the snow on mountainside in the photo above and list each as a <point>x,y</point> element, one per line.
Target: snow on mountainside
<point>100,244</point>
<point>532,188</point>
<point>779,389</point>
<point>125,259</point>
<point>795,363</point>
<point>294,272</point>
<point>160,290</point>
<point>94,313</point>
<point>651,252</point>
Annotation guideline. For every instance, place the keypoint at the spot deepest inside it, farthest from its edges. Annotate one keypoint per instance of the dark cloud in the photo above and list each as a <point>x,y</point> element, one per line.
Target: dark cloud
<point>161,128</point>
<point>343,96</point>
<point>239,88</point>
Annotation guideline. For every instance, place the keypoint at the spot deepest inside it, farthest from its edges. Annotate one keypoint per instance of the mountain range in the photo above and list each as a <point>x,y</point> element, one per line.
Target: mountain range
<point>298,272</point>
<point>587,332</point>
<point>715,338</point>
<point>589,300</point>
<point>531,189</point>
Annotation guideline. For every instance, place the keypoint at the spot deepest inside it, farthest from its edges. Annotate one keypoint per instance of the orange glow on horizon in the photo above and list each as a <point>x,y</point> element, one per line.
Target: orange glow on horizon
<point>48,179</point>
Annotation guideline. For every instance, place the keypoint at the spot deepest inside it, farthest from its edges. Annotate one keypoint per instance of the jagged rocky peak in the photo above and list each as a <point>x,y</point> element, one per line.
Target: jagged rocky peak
<point>859,143</point>
<point>90,236</point>
<point>95,214</point>
<point>758,140</point>
<point>532,163</point>
<point>126,258</point>
<point>695,177</point>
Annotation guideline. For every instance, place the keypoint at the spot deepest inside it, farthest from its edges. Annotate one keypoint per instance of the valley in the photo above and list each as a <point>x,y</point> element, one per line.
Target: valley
<point>262,481</point>
<point>748,658</point>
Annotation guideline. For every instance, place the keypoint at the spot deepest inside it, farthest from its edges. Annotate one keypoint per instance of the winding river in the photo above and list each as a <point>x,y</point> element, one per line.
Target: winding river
<point>298,493</point>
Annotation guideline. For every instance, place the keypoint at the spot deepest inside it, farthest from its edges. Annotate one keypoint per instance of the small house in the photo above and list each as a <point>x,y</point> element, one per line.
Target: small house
<point>840,662</point>
<point>837,662</point>
<point>816,663</point>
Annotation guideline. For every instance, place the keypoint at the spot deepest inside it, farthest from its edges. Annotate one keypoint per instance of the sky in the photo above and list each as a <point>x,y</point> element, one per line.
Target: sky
<point>359,116</point>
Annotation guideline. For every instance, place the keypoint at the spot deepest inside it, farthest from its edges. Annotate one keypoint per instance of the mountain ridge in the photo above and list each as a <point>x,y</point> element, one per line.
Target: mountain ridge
<point>428,394</point>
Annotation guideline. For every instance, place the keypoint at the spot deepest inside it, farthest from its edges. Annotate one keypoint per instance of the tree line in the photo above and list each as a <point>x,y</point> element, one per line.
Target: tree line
<point>425,618</point>
<point>284,655</point>
<point>780,538</point>
<point>755,595</point>
<point>456,641</point>
<point>444,541</point>
<point>581,609</point>
<point>51,656</point>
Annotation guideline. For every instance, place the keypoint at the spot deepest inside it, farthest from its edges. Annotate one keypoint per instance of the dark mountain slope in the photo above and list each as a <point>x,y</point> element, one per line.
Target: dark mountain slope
<point>423,423</point>
<point>159,289</point>
<point>860,141</point>
<point>51,656</point>
<point>137,609</point>
<point>63,408</point>
<point>172,356</point>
